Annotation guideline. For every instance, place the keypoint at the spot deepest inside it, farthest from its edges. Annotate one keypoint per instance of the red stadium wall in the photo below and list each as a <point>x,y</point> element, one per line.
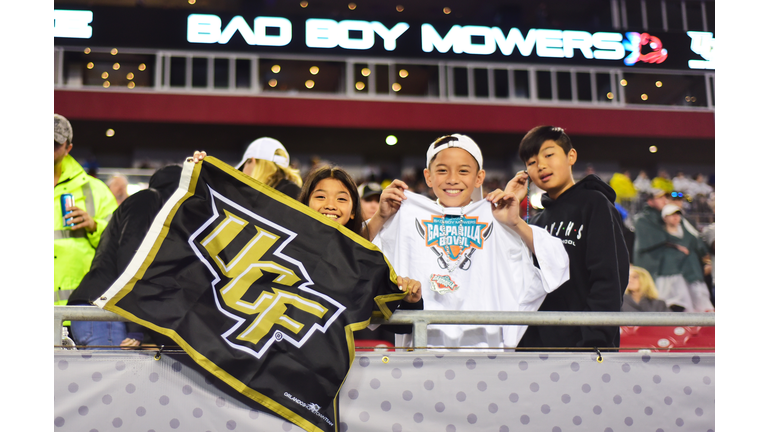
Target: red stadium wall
<point>346,113</point>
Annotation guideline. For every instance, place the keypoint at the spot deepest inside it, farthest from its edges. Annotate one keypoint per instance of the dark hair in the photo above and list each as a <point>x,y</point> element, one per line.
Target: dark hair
<point>443,140</point>
<point>166,180</point>
<point>532,141</point>
<point>356,223</point>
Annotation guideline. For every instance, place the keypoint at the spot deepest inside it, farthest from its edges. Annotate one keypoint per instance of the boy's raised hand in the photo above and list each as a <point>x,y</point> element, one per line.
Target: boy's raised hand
<point>505,206</point>
<point>506,209</point>
<point>518,186</point>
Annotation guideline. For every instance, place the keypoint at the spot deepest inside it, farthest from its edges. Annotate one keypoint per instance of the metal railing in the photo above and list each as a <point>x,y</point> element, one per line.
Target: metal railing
<point>421,319</point>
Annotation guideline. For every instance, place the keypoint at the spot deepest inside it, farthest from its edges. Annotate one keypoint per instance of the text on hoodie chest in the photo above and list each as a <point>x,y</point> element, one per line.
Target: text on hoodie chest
<point>570,232</point>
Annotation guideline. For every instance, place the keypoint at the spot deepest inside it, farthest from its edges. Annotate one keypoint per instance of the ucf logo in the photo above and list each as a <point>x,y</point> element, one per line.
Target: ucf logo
<point>238,248</point>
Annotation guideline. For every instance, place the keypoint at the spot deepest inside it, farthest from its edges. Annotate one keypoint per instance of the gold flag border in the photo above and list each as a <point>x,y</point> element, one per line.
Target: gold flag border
<point>192,170</point>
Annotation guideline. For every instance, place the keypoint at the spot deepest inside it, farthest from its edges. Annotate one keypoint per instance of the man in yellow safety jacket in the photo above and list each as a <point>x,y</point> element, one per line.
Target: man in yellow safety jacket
<point>74,247</point>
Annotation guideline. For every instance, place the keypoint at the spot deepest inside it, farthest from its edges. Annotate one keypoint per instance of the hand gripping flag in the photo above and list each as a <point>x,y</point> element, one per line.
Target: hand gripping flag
<point>258,289</point>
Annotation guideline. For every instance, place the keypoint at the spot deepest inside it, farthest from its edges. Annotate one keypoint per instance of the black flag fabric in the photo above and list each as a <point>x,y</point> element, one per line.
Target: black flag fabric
<point>261,291</point>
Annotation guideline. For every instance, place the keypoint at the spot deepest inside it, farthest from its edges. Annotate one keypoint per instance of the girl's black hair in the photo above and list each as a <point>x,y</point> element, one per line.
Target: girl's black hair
<point>355,224</point>
<point>532,141</point>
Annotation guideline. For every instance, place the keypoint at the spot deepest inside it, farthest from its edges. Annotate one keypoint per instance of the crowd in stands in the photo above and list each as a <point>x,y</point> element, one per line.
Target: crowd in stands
<point>671,256</point>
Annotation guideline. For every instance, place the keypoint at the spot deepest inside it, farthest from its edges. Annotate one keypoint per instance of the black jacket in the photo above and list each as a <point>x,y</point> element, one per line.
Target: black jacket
<point>587,221</point>
<point>123,236</point>
<point>289,188</point>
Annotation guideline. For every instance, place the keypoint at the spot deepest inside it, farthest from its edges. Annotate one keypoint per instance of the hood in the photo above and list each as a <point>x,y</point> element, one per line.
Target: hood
<point>70,169</point>
<point>166,180</point>
<point>590,182</point>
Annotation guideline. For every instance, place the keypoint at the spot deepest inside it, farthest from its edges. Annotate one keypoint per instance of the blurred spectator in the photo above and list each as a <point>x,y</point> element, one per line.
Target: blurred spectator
<point>642,183</point>
<point>677,198</point>
<point>701,191</point>
<point>663,182</point>
<point>682,183</point>
<point>74,246</point>
<point>91,167</point>
<point>369,198</point>
<point>680,280</point>
<point>491,184</point>
<point>700,186</point>
<point>621,183</point>
<point>118,184</point>
<point>650,234</point>
<point>120,241</point>
<point>641,294</point>
<point>708,237</point>
<point>626,229</point>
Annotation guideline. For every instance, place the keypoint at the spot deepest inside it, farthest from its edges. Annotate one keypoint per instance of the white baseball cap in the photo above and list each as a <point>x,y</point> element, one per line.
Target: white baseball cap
<point>456,140</point>
<point>670,209</point>
<point>264,148</point>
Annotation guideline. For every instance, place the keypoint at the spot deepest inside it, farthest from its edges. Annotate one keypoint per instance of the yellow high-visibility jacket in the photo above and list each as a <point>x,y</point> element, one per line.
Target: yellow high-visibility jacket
<point>73,251</point>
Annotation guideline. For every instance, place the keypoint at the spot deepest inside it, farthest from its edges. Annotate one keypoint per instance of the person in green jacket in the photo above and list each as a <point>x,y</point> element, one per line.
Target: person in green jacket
<point>681,277</point>
<point>74,247</point>
<point>650,234</point>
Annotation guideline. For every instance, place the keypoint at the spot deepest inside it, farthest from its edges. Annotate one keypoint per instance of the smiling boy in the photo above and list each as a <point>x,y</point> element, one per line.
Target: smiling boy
<point>583,216</point>
<point>468,253</point>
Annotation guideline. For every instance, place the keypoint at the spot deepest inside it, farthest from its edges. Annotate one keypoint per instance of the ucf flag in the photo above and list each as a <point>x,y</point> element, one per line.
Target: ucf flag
<point>258,289</point>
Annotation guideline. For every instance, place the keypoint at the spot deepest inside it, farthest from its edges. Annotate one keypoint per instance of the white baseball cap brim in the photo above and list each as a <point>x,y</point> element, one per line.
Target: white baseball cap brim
<point>670,209</point>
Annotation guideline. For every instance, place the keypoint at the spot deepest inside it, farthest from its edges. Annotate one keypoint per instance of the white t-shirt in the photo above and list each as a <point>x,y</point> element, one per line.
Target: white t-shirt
<point>467,260</point>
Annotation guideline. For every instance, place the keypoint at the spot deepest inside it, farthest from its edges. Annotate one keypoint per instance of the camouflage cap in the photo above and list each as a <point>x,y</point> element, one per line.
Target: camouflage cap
<point>62,130</point>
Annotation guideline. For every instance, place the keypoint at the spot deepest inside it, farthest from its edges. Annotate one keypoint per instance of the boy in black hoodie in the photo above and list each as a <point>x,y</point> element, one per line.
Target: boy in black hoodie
<point>584,217</point>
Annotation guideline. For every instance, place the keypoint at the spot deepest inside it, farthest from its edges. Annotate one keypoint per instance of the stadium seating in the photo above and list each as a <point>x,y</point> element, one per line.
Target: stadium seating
<point>663,338</point>
<point>372,345</point>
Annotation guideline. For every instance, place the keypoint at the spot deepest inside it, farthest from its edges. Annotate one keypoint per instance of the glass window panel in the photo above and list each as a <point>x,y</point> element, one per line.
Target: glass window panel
<point>661,89</point>
<point>710,7</point>
<point>382,79</point>
<point>583,86</point>
<point>634,15</point>
<point>417,80</point>
<point>564,91</point>
<point>460,84</point>
<point>653,8</point>
<point>98,68</point>
<point>243,73</point>
<point>693,15</point>
<point>199,72</point>
<point>301,76</point>
<point>522,84</point>
<point>674,15</point>
<point>361,74</point>
<point>501,83</point>
<point>481,83</point>
<point>604,91</point>
<point>544,85</point>
<point>221,73</point>
<point>178,71</point>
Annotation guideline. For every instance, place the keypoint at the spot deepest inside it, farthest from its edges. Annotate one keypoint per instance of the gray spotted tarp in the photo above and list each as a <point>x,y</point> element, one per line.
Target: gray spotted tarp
<point>405,391</point>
